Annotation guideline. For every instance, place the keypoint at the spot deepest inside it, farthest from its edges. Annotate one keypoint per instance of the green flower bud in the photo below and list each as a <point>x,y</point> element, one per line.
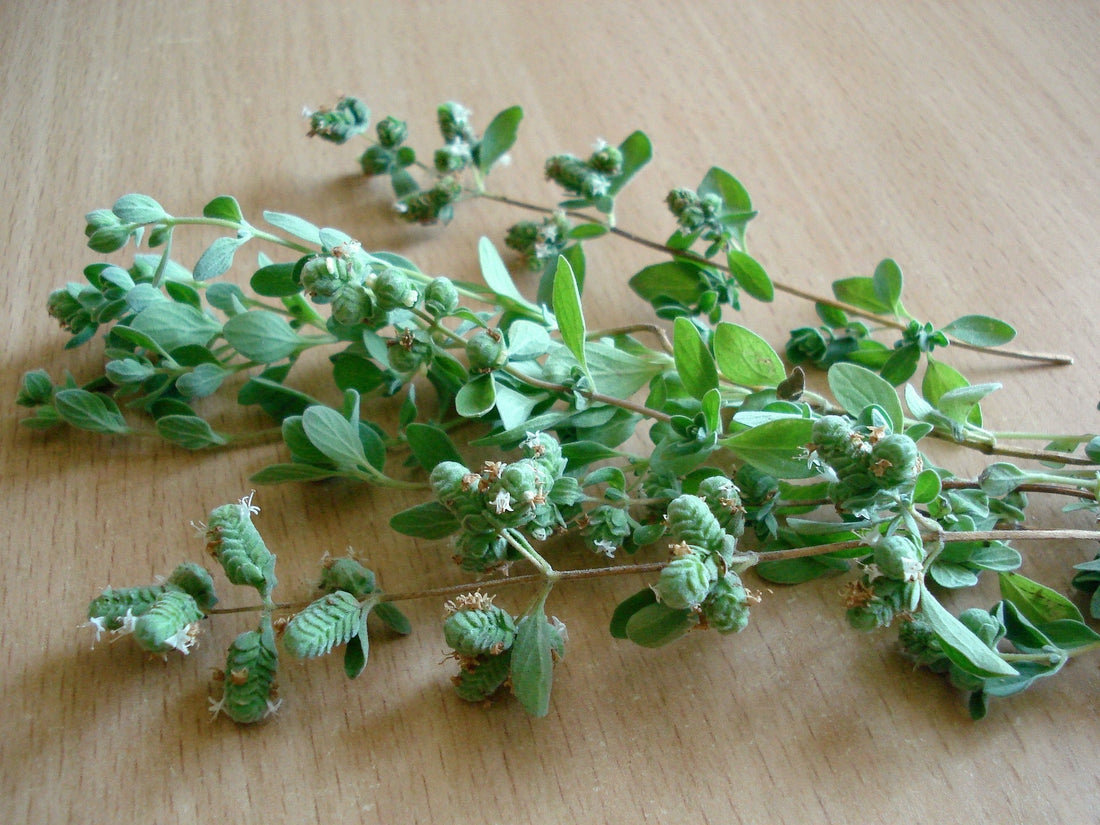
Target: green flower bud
<point>454,157</point>
<point>607,160</point>
<point>329,621</point>
<point>480,679</point>
<point>726,609</point>
<point>395,290</point>
<point>454,122</point>
<point>724,500</point>
<point>323,277</point>
<point>899,558</point>
<point>352,304</point>
<point>481,552</point>
<point>248,689</point>
<point>684,583</point>
<point>234,541</point>
<point>607,529</point>
<point>36,389</point>
<point>448,480</point>
<point>196,581</point>
<point>806,344</point>
<point>895,460</point>
<point>392,132</point>
<point>347,118</point>
<point>63,305</point>
<point>441,297</point>
<point>919,643</point>
<point>476,631</point>
<point>112,609</point>
<point>486,351</point>
<point>690,520</point>
<point>376,160</point>
<point>984,625</point>
<point>170,623</point>
<point>546,450</point>
<point>346,574</point>
<point>406,359</point>
<point>568,171</point>
<point>871,616</point>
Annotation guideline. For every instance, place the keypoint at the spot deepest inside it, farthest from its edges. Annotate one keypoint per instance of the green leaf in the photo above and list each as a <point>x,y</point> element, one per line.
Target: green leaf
<point>901,364</point>
<point>677,281</point>
<point>334,436</point>
<point>750,275</point>
<point>567,310</point>
<point>939,379</point>
<point>928,487</point>
<point>658,624</point>
<point>1069,634</point>
<point>637,152</point>
<point>960,404</point>
<point>532,661</point>
<point>293,225</point>
<point>861,292</point>
<point>477,397</point>
<point>513,407</point>
<point>393,618</point>
<point>498,138</point>
<point>887,283</point>
<point>797,571</point>
<point>188,431</point>
<point>276,280</point>
<point>959,643</point>
<point>495,273</point>
<point>627,608</point>
<point>261,335</point>
<point>721,183</point>
<point>202,381</point>
<point>224,207</point>
<point>1037,602</point>
<point>430,520</point>
<point>217,258</point>
<point>856,387</point>
<point>694,362</point>
<point>746,358</point>
<point>138,209</point>
<point>173,325</point>
<point>355,654</point>
<point>90,411</point>
<point>276,400</point>
<point>430,445</point>
<point>980,331</point>
<point>282,473</point>
<point>775,448</point>
<point>617,372</point>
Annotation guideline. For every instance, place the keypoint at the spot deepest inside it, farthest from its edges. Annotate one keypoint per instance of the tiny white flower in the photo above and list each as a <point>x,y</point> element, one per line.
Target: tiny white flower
<point>247,504</point>
<point>503,502</point>
<point>531,440</point>
<point>559,625</point>
<point>184,640</point>
<point>128,623</point>
<point>606,547</point>
<point>99,625</point>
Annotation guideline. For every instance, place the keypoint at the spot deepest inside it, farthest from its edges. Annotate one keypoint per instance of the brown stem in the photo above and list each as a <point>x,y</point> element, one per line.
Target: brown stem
<point>642,410</point>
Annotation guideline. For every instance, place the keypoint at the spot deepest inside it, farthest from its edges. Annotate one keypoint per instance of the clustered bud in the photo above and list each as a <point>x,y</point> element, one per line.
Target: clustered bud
<point>539,243</point>
<point>431,205</point>
<point>864,461</point>
<point>590,178</point>
<point>349,117</point>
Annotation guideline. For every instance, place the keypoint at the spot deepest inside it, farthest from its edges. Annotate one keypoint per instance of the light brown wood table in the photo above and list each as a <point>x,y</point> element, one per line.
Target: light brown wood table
<point>960,139</point>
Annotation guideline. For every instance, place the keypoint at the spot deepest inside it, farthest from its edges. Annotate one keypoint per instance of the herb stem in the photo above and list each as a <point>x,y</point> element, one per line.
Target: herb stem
<point>591,395</point>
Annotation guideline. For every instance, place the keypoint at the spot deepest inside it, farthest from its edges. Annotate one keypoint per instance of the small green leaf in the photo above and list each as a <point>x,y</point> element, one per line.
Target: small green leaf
<point>959,404</point>
<point>283,473</point>
<point>1037,602</point>
<point>532,661</point>
<point>677,281</point>
<point>627,608</point>
<point>513,407</point>
<point>430,445</point>
<point>498,138</point>
<point>188,431</point>
<point>856,387</point>
<point>637,152</point>
<point>750,275</point>
<point>224,207</point>
<point>276,280</point>
<point>567,310</point>
<point>775,448</point>
<point>860,292</point>
<point>656,625</point>
<point>721,183</point>
<point>430,520</point>
<point>90,411</point>
<point>173,325</point>
<point>959,643</point>
<point>746,358</point>
<point>477,397</point>
<point>887,283</point>
<point>980,331</point>
<point>262,336</point>
<point>202,381</point>
<point>217,258</point>
<point>694,362</point>
<point>138,209</point>
<point>393,618</point>
<point>901,364</point>
<point>495,273</point>
<point>355,654</point>
<point>334,436</point>
<point>927,488</point>
<point>293,225</point>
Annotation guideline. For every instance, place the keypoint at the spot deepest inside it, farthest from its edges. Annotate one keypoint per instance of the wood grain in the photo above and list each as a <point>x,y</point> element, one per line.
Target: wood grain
<point>960,139</point>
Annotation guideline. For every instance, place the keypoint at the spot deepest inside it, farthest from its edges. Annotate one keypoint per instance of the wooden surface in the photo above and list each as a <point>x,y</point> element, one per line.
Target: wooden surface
<point>960,139</point>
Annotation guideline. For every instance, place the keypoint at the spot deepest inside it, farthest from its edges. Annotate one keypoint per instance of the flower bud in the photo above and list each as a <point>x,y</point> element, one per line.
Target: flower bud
<point>895,460</point>
<point>472,632</point>
<point>454,157</point>
<point>607,160</point>
<point>376,160</point>
<point>196,581</point>
<point>169,624</point>
<point>351,304</point>
<point>447,480</point>
<point>441,297</point>
<point>394,290</point>
<point>347,118</point>
<point>323,277</point>
<point>454,122</point>
<point>691,521</point>
<point>486,352</point>
<point>684,583</point>
<point>348,575</point>
<point>481,552</point>
<point>726,609</point>
<point>392,132</point>
<point>899,558</point>
<point>724,501</point>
